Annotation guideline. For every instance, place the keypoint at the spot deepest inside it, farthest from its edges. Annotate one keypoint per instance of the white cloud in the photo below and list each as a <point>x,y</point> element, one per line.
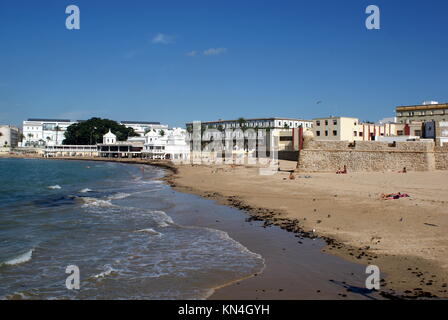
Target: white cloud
<point>162,38</point>
<point>192,53</point>
<point>214,51</point>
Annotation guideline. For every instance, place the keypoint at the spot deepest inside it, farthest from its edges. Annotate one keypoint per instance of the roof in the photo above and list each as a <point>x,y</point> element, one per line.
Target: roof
<point>253,119</point>
<point>422,107</point>
<point>139,122</point>
<point>331,118</point>
<point>109,135</point>
<point>49,120</point>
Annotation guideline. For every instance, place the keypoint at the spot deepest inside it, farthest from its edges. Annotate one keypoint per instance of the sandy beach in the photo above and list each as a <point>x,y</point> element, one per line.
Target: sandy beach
<point>406,238</point>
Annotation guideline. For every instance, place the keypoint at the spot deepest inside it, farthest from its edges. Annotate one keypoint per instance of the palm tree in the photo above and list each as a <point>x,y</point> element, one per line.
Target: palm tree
<point>242,123</point>
<point>57,128</point>
<point>162,132</point>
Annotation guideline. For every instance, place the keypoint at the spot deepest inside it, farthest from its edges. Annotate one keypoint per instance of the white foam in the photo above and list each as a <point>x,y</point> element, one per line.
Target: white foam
<point>150,231</point>
<point>93,202</point>
<point>85,190</point>
<point>162,219</point>
<point>108,271</point>
<point>119,195</point>
<point>24,257</point>
<point>56,186</point>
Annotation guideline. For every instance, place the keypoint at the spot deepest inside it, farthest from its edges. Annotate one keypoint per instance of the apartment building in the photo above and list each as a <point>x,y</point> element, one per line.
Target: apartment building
<point>9,136</point>
<point>142,127</point>
<point>427,111</point>
<point>285,131</point>
<point>350,129</point>
<point>41,132</point>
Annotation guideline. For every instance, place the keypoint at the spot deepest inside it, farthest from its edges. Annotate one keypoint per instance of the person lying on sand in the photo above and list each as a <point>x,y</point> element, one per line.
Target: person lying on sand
<point>394,196</point>
<point>342,171</point>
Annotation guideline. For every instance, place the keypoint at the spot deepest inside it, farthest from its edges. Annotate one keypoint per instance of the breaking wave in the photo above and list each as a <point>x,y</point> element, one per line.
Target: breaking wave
<point>55,187</point>
<point>150,231</point>
<point>24,257</point>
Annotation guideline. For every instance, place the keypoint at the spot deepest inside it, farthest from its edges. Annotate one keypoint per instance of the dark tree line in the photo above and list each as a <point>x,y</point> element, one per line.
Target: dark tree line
<point>91,131</point>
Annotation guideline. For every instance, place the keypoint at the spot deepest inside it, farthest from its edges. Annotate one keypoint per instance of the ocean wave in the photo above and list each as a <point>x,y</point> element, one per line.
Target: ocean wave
<point>119,195</point>
<point>24,257</point>
<point>55,187</point>
<point>94,202</point>
<point>85,190</point>
<point>108,271</point>
<point>150,231</point>
<point>161,218</point>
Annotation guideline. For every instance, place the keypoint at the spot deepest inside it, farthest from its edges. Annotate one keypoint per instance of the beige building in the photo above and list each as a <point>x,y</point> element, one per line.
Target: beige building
<point>9,136</point>
<point>427,111</point>
<point>350,129</point>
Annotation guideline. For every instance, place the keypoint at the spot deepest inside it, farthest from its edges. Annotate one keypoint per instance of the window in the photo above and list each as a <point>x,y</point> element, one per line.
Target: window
<point>326,122</point>
<point>418,133</point>
<point>399,132</point>
<point>326,133</point>
<point>335,133</point>
<point>317,123</point>
<point>286,138</point>
<point>335,122</point>
<point>318,133</point>
<point>355,133</point>
<point>360,134</point>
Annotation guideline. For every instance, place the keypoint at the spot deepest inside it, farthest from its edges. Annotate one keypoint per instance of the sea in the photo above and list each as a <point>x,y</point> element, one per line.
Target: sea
<point>113,222</point>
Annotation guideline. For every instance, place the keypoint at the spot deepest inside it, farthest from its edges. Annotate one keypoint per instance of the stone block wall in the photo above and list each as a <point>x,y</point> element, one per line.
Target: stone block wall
<point>364,156</point>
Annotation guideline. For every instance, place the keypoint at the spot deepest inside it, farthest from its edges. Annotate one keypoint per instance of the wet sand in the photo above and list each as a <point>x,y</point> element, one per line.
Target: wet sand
<point>295,267</point>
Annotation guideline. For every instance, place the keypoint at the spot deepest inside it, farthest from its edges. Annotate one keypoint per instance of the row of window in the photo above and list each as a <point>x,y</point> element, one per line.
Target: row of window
<point>155,147</point>
<point>335,122</point>
<point>422,113</point>
<point>335,133</point>
<point>266,124</point>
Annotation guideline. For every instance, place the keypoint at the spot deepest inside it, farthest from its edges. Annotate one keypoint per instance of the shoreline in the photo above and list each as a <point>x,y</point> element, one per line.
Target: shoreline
<point>396,285</point>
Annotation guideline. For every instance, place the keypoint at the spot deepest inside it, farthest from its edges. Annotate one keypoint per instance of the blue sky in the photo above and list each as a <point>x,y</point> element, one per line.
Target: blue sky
<point>179,61</point>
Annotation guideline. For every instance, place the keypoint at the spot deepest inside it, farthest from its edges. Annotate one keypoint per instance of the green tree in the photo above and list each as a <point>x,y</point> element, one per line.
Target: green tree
<point>162,132</point>
<point>93,130</point>
<point>242,123</point>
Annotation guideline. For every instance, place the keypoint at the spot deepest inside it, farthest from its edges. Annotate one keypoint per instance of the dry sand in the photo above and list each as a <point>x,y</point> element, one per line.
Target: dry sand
<point>406,238</point>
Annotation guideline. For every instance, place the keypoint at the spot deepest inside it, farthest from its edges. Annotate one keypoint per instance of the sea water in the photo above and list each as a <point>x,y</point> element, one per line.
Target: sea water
<point>110,220</point>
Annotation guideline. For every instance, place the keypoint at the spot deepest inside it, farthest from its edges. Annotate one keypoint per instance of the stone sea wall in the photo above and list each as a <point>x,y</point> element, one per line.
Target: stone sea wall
<point>359,156</point>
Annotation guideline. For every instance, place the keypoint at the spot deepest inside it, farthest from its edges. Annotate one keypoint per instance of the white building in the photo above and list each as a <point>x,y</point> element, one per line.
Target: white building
<point>109,138</point>
<point>260,123</point>
<point>40,132</point>
<point>9,136</point>
<point>142,127</point>
<point>168,144</point>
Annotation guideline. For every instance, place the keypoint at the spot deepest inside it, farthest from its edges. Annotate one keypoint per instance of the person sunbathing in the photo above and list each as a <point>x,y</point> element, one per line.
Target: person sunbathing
<point>342,171</point>
<point>393,196</point>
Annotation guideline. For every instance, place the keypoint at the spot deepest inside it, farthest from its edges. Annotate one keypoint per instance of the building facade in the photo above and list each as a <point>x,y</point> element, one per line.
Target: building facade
<point>41,132</point>
<point>427,111</point>
<point>142,127</point>
<point>170,144</point>
<point>350,129</point>
<point>9,136</point>
<point>260,123</point>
